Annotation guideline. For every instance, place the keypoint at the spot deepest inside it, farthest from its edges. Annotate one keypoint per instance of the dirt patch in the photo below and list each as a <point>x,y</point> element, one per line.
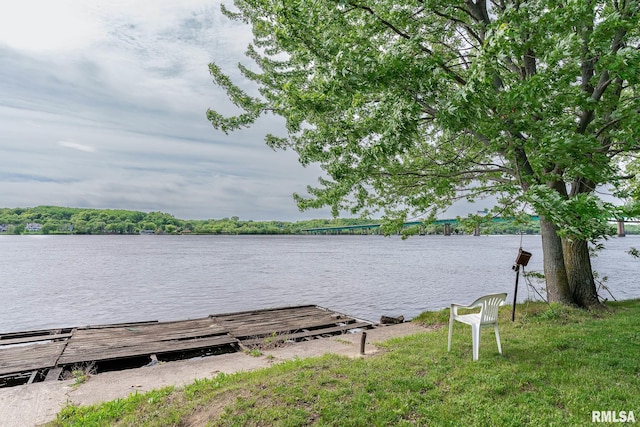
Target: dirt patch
<point>203,415</point>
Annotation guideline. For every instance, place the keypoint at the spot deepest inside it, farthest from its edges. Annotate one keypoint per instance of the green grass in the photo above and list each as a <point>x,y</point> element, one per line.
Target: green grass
<point>559,364</point>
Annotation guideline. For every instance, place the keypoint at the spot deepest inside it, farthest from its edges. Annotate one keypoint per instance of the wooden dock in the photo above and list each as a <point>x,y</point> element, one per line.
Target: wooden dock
<point>27,357</point>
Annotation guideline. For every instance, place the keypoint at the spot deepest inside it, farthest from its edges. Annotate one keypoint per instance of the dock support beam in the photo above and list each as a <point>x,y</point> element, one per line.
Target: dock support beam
<point>447,229</point>
<point>621,232</point>
<point>54,373</point>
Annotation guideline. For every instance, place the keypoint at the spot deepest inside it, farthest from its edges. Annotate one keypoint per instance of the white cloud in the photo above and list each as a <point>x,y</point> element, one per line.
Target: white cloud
<point>77,146</point>
<point>104,106</point>
<point>37,26</point>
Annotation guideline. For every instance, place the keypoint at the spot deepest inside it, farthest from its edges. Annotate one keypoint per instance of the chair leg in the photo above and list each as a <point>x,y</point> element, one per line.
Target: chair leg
<point>450,332</point>
<point>495,327</point>
<point>475,340</point>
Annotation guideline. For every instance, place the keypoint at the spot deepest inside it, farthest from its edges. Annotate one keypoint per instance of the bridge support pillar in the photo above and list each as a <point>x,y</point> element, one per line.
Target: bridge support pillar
<point>476,230</point>
<point>621,232</point>
<point>447,229</point>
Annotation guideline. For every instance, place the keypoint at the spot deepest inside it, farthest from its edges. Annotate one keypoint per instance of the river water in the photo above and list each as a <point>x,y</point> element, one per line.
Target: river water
<point>65,281</point>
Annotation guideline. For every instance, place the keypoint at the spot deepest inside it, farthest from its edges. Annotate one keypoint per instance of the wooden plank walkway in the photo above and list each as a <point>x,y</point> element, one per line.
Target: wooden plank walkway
<point>34,339</point>
<point>313,320</point>
<point>26,354</point>
<point>277,338</point>
<point>98,344</point>
<point>26,358</point>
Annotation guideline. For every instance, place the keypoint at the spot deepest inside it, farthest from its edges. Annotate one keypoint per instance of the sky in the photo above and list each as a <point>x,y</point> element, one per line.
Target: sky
<point>103,105</point>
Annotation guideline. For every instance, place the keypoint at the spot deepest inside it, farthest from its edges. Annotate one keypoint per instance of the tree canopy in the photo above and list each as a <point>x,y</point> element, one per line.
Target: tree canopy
<point>410,106</point>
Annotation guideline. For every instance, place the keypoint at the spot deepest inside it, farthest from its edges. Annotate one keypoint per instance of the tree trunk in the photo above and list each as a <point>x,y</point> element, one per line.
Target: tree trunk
<point>577,262</point>
<point>555,273</point>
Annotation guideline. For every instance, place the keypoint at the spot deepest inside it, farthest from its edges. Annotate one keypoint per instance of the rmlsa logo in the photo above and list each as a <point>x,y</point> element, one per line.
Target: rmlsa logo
<point>613,417</point>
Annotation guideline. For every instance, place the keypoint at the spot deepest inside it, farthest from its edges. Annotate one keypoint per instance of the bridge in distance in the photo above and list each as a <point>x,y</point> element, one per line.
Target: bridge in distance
<point>446,222</point>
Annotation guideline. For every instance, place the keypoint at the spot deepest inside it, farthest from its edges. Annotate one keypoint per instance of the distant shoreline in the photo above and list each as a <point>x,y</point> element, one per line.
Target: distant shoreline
<point>64,221</point>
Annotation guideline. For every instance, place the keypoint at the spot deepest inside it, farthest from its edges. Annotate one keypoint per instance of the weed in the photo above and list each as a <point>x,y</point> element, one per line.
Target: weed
<point>81,372</point>
<point>275,340</point>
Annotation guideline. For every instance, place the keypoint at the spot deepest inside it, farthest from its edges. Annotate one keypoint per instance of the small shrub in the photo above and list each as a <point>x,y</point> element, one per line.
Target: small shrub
<point>82,372</point>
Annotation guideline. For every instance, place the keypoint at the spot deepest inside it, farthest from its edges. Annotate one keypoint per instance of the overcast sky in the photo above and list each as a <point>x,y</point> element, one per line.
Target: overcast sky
<point>103,105</point>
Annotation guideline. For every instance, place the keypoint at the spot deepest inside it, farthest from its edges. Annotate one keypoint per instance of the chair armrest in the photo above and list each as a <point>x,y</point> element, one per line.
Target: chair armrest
<point>455,307</point>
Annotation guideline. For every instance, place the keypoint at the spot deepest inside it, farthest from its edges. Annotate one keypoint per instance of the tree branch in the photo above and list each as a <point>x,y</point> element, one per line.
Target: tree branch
<point>466,26</point>
<point>588,72</point>
<point>405,36</point>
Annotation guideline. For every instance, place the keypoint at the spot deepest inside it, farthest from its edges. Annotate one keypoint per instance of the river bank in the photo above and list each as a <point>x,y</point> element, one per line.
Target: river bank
<point>560,366</point>
<point>38,403</point>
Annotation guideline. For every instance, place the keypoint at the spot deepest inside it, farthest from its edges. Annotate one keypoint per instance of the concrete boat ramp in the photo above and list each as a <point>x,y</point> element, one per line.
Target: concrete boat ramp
<point>50,355</point>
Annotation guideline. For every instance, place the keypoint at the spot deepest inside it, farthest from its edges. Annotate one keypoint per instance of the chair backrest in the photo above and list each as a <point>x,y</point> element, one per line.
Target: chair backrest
<point>489,304</point>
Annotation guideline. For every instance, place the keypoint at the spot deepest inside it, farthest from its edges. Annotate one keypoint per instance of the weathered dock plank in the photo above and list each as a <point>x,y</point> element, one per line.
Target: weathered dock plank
<point>163,331</point>
<point>33,339</point>
<point>313,328</point>
<point>242,331</point>
<point>22,334</point>
<point>294,312</point>
<point>103,351</point>
<point>101,344</point>
<point>266,322</point>
<point>276,315</point>
<point>299,335</point>
<point>275,311</point>
<point>25,356</point>
<point>120,325</point>
<point>22,358</point>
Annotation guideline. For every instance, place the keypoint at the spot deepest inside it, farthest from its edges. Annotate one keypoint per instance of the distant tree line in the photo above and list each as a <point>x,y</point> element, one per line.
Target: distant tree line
<point>63,220</point>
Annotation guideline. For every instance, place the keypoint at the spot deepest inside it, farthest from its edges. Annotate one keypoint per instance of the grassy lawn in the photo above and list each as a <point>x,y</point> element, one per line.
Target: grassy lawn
<point>559,365</point>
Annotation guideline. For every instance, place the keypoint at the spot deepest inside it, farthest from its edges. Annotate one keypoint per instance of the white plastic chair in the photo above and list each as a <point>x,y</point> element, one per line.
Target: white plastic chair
<point>488,316</point>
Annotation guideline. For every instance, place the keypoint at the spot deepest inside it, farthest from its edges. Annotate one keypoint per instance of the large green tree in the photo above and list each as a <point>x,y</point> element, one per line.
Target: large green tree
<point>409,106</point>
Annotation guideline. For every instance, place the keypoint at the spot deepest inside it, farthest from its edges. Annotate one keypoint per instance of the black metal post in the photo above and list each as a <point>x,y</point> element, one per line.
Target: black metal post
<point>363,340</point>
<point>515,292</point>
